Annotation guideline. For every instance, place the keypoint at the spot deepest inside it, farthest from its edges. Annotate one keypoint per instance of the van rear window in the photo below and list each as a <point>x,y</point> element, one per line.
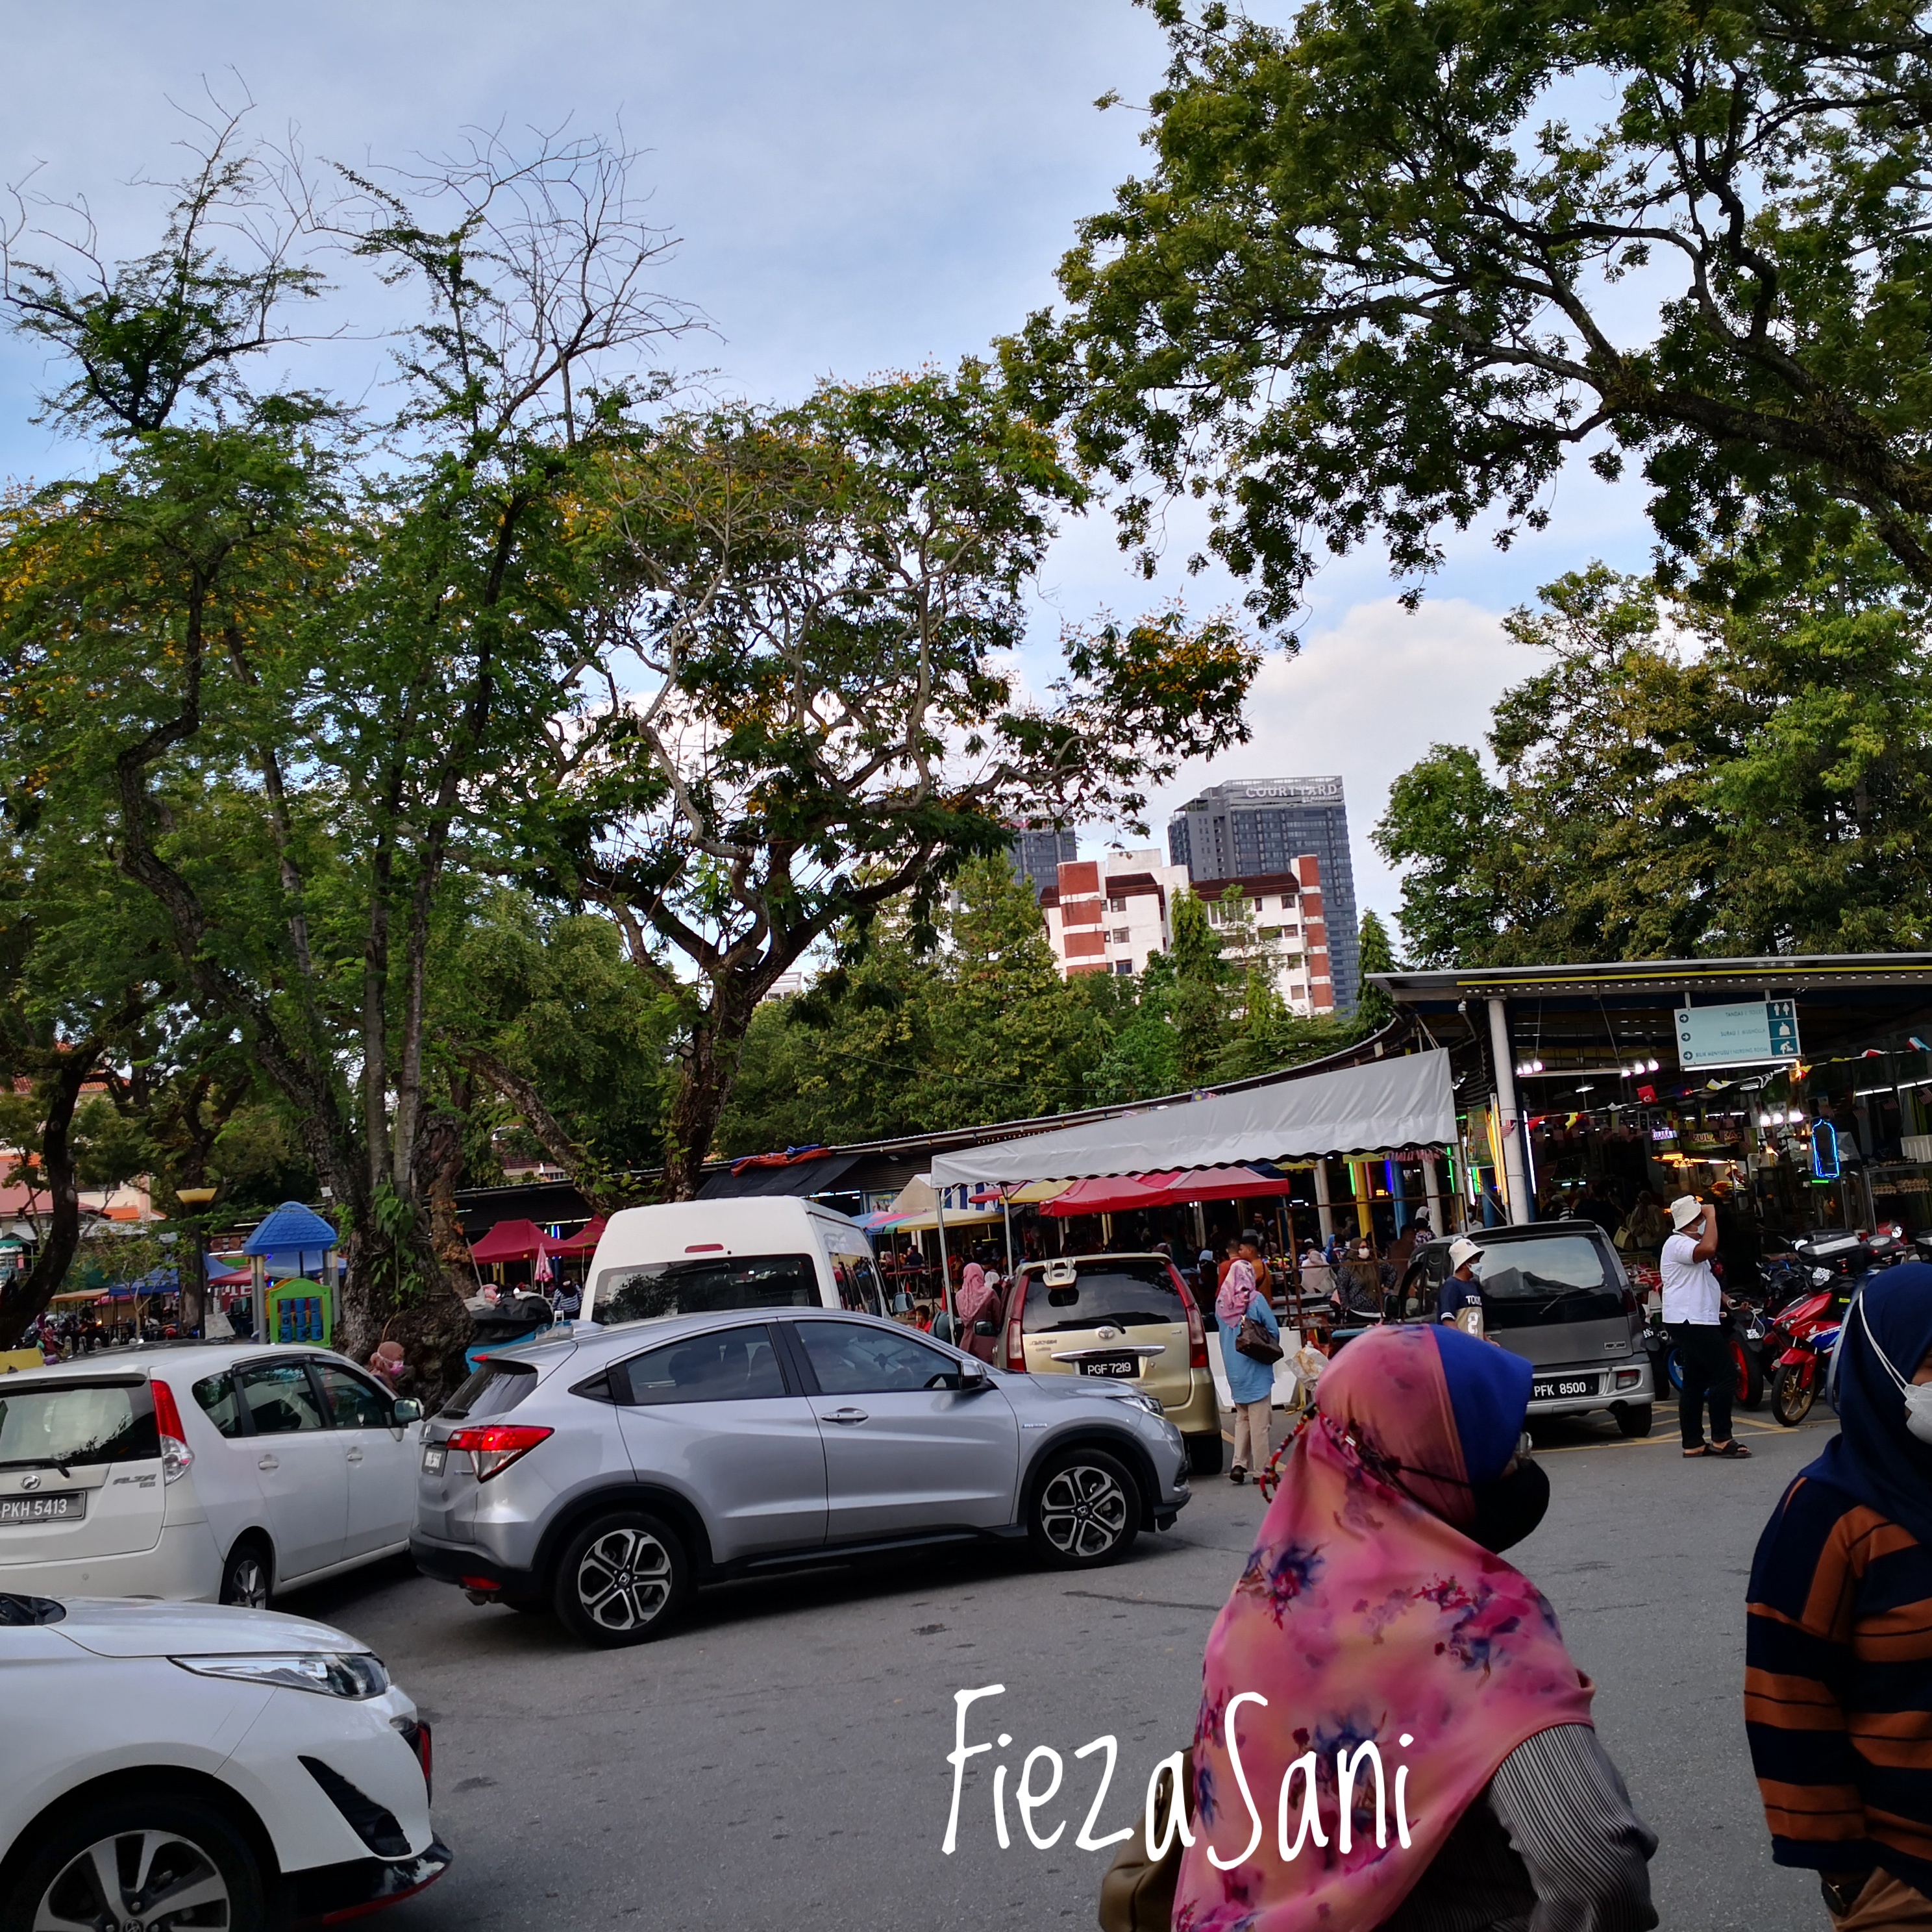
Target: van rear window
<point>1127,1294</point>
<point>646,1290</point>
<point>69,1425</point>
<point>1537,1269</point>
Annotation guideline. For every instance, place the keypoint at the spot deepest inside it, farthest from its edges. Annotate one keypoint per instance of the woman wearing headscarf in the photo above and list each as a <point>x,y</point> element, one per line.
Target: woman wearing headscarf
<point>1838,1643</point>
<point>975,1292</point>
<point>1376,1611</point>
<point>1250,1383</point>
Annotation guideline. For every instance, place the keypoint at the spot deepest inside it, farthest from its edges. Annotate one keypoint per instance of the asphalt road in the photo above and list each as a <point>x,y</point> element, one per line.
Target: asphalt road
<point>780,1762</point>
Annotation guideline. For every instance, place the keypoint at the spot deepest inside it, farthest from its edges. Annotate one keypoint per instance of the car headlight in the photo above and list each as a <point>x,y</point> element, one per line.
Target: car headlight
<point>1151,1404</point>
<point>332,1674</point>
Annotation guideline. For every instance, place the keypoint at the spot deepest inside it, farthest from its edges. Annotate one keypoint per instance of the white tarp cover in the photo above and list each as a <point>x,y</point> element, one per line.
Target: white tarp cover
<point>1408,1101</point>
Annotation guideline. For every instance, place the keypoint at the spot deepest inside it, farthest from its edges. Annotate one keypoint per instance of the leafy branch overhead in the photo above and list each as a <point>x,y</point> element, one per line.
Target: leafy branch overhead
<point>1389,266</point>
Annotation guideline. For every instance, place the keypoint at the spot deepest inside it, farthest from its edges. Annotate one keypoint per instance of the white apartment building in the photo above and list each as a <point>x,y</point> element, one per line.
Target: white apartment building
<point>1107,915</point>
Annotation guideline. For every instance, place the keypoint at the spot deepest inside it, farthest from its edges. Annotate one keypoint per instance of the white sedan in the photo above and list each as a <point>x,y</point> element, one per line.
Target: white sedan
<point>206,1471</point>
<point>170,1765</point>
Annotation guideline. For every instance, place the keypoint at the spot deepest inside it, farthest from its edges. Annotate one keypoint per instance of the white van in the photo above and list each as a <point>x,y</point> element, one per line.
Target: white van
<point>696,1257</point>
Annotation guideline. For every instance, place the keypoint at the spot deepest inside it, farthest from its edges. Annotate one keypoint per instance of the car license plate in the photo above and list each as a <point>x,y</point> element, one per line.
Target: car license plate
<point>1558,1387</point>
<point>433,1460</point>
<point>1111,1365</point>
<point>68,1507</point>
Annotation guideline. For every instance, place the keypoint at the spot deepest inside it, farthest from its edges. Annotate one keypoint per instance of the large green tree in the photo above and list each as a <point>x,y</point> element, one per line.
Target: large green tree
<point>1675,782</point>
<point>1389,266</point>
<point>806,624</point>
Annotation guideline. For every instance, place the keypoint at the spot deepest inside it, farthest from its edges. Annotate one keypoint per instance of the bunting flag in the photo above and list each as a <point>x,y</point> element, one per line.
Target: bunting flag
<point>1917,1045</point>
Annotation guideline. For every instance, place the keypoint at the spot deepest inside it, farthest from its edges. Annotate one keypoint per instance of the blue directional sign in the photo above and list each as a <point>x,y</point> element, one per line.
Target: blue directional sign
<point>1760,1033</point>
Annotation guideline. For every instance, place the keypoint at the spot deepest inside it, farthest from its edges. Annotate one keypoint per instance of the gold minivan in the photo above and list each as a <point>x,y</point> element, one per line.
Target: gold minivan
<point>1129,1318</point>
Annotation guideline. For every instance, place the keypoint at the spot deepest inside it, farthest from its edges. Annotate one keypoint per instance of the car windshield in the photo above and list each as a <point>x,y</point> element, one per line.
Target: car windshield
<point>1128,1294</point>
<point>647,1289</point>
<point>1541,1267</point>
<point>69,1424</point>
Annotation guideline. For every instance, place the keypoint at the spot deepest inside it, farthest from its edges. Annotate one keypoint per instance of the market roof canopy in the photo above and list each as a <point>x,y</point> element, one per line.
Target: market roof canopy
<point>1404,1101</point>
<point>1122,1194</point>
<point>512,1241</point>
<point>585,1243</point>
<point>291,1229</point>
<point>797,1178</point>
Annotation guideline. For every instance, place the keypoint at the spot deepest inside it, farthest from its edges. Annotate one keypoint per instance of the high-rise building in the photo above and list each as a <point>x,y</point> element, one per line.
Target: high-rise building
<point>1038,856</point>
<point>1239,831</point>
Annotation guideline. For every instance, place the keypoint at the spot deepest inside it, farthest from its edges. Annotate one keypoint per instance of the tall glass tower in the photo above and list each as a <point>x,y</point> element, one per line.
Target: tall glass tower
<point>1237,831</point>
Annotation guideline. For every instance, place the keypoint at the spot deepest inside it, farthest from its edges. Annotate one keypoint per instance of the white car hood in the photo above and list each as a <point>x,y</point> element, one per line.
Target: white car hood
<point>129,1627</point>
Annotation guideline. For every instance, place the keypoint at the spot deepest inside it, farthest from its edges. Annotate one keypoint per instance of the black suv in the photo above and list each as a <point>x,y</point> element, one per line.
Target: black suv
<point>1557,1294</point>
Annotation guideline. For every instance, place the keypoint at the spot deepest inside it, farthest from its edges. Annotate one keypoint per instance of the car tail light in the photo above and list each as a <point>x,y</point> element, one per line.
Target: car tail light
<point>496,1446</point>
<point>1197,1329</point>
<point>177,1458</point>
<point>1015,1346</point>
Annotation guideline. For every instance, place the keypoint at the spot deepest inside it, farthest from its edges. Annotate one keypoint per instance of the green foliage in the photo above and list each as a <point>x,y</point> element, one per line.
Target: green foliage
<point>1372,287</point>
<point>1199,1001</point>
<point>1677,783</point>
<point>1374,1008</point>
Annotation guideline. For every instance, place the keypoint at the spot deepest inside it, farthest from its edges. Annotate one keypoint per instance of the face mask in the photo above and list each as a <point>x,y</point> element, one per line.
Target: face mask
<point>1918,1395</point>
<point>1508,1509</point>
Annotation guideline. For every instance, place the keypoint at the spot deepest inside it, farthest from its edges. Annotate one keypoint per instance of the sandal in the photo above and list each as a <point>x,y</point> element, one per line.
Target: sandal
<point>1733,1451</point>
<point>1238,1474</point>
<point>1702,1449</point>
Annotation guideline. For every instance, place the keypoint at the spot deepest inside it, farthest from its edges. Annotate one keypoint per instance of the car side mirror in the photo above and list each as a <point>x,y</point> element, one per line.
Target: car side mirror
<point>974,1380</point>
<point>404,1412</point>
<point>986,1328</point>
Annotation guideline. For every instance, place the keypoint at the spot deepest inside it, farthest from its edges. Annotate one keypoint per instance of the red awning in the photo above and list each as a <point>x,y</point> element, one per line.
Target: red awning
<point>583,1244</point>
<point>1122,1195</point>
<point>512,1241</point>
<point>1116,1195</point>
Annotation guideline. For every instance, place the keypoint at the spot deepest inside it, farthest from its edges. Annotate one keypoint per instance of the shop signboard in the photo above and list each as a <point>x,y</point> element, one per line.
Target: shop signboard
<point>1759,1033</point>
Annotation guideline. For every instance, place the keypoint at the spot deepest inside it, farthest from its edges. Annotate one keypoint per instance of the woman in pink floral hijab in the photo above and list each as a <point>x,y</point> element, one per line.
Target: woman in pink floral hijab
<point>1377,1639</point>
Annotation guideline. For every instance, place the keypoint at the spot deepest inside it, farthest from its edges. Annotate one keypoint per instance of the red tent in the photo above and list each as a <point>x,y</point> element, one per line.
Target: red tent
<point>1121,1195</point>
<point>512,1241</point>
<point>1116,1194</point>
<point>584,1244</point>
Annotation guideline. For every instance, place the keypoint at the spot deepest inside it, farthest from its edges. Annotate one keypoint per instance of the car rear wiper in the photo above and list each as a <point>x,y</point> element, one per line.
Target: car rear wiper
<point>37,1463</point>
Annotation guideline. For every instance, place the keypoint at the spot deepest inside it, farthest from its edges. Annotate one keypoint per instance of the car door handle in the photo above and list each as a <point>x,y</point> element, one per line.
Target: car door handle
<point>268,1462</point>
<point>354,1455</point>
<point>845,1415</point>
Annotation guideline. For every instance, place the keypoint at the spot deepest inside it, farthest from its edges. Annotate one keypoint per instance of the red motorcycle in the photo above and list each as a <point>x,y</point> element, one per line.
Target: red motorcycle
<point>1799,1371</point>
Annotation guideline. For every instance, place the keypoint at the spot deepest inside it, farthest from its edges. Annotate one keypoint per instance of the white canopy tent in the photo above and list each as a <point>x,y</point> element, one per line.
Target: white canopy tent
<point>1404,1101</point>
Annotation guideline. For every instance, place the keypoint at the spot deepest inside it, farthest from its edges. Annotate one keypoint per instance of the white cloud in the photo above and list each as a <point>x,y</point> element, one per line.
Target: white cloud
<point>1367,697</point>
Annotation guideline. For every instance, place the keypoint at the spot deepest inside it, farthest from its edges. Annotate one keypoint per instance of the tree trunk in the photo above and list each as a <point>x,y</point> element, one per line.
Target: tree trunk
<point>21,1303</point>
<point>603,1192</point>
<point>704,1085</point>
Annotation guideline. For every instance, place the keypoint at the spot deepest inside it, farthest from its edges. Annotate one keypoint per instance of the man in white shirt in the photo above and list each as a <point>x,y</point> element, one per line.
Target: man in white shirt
<point>1692,1304</point>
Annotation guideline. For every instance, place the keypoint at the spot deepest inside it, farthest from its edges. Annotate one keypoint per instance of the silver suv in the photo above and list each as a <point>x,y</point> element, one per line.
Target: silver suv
<point>607,1474</point>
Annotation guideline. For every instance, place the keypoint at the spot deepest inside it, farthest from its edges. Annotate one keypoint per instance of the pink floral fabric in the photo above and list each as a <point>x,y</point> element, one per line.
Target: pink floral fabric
<point>1363,1617</point>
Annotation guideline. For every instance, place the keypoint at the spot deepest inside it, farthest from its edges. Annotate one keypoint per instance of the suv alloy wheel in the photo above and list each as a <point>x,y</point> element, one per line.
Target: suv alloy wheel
<point>1086,1510</point>
<point>622,1579</point>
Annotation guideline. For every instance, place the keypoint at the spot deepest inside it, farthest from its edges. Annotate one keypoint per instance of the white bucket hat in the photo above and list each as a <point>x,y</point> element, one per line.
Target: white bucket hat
<point>1463,1251</point>
<point>1684,1210</point>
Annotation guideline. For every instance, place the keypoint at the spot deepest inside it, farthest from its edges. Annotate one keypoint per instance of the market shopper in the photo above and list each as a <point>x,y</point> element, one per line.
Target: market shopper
<point>1250,1383</point>
<point>1693,1314</point>
<point>1838,1639</point>
<point>1462,1290</point>
<point>1375,1608</point>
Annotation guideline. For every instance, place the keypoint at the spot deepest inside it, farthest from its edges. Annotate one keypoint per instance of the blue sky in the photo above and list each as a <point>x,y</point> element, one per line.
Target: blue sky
<point>858,185</point>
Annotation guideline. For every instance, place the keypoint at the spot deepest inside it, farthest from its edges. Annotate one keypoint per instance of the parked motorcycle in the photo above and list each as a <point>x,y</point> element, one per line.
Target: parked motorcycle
<point>1801,1368</point>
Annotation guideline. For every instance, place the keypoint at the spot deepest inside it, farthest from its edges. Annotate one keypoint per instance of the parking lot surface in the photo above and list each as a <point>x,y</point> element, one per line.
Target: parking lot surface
<point>780,1760</point>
